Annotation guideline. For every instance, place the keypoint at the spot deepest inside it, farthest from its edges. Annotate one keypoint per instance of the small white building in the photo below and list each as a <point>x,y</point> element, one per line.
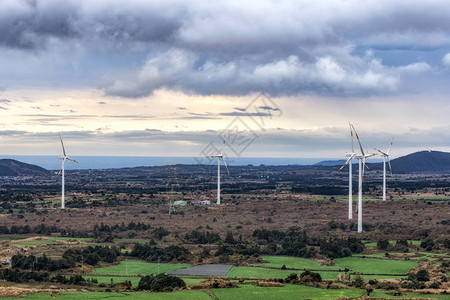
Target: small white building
<point>205,202</point>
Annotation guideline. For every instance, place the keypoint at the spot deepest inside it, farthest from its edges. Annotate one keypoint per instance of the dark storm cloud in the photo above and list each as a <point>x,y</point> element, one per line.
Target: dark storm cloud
<point>233,47</point>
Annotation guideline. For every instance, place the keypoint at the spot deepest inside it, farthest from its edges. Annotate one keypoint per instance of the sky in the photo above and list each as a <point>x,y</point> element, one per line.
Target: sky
<point>173,78</point>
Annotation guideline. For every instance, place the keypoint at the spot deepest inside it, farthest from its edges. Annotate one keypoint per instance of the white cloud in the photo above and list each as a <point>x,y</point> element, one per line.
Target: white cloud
<point>446,59</point>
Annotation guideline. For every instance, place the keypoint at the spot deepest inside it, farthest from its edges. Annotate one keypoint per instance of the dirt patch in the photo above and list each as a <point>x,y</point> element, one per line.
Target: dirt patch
<point>269,284</point>
<point>11,291</point>
<point>214,284</point>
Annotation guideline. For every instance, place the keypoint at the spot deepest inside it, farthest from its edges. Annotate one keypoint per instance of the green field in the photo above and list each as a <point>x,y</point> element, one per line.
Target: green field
<point>294,263</point>
<point>107,279</point>
<point>392,242</point>
<point>40,242</point>
<point>376,266</point>
<point>135,280</point>
<point>52,241</point>
<point>136,267</point>
<point>130,241</point>
<point>183,295</point>
<point>383,295</point>
<point>251,272</point>
<point>249,292</point>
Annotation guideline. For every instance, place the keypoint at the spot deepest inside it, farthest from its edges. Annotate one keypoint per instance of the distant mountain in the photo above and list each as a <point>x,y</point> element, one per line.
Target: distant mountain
<point>423,161</point>
<point>12,167</point>
<point>338,162</point>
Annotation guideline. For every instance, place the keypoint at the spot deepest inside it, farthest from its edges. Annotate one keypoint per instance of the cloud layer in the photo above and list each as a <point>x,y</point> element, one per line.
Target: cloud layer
<point>133,48</point>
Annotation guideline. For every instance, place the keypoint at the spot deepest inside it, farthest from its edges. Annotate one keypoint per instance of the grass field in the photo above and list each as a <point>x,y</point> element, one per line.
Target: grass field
<point>383,295</point>
<point>135,280</point>
<point>376,266</point>
<point>138,267</point>
<point>294,263</point>
<point>250,272</point>
<point>183,295</point>
<point>40,242</point>
<point>392,242</point>
<point>250,292</point>
<point>378,277</point>
<point>52,241</point>
<point>129,241</point>
<point>107,279</point>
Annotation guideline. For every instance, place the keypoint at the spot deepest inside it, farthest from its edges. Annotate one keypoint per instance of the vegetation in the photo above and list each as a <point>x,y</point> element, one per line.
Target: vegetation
<point>376,266</point>
<point>89,255</point>
<point>160,283</point>
<point>294,263</point>
<point>138,267</point>
<point>250,292</point>
<point>168,254</point>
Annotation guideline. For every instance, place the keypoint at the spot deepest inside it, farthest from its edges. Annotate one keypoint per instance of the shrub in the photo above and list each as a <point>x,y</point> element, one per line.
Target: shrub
<point>383,244</point>
<point>423,275</point>
<point>309,276</point>
<point>160,283</point>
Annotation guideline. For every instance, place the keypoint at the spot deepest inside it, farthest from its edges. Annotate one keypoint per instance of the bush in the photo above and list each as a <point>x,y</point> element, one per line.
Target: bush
<point>160,283</point>
<point>423,275</point>
<point>358,281</point>
<point>383,244</point>
<point>309,276</point>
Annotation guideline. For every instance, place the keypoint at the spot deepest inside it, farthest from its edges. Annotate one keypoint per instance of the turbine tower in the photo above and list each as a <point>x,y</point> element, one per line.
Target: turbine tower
<point>385,157</point>
<point>362,162</point>
<point>63,157</point>
<point>350,176</point>
<point>219,157</point>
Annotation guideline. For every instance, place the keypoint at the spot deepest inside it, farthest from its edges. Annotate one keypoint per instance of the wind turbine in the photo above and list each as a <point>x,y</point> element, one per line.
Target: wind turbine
<point>219,157</point>
<point>63,157</point>
<point>362,162</point>
<point>350,156</point>
<point>385,157</point>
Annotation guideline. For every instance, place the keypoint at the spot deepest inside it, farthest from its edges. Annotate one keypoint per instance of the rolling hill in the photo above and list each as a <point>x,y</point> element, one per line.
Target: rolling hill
<point>423,161</point>
<point>11,167</point>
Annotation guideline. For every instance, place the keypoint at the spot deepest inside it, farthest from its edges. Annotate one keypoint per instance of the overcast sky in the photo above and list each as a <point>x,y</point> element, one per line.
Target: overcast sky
<point>171,77</point>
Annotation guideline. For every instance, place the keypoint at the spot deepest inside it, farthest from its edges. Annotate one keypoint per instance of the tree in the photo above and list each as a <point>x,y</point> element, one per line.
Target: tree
<point>383,244</point>
<point>423,275</point>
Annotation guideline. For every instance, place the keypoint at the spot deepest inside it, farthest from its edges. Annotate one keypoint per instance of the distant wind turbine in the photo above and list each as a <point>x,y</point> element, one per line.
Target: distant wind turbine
<point>219,157</point>
<point>362,162</point>
<point>385,157</point>
<point>63,157</point>
<point>350,156</point>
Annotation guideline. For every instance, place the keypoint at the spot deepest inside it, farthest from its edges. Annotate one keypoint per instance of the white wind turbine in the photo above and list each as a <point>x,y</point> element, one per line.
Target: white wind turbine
<point>63,157</point>
<point>385,157</point>
<point>350,156</point>
<point>219,157</point>
<point>362,162</point>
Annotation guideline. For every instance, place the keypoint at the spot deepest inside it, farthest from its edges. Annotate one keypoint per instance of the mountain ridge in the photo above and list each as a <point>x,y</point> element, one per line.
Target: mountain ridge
<point>12,167</point>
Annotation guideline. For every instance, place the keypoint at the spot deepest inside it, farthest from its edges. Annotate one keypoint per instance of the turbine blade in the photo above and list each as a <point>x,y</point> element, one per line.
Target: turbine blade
<point>62,144</point>
<point>343,166</point>
<point>62,165</point>
<point>390,168</point>
<point>364,164</point>
<point>359,142</point>
<point>223,145</point>
<point>225,165</point>
<point>389,150</point>
<point>384,153</point>
<point>72,159</point>
<point>351,134</point>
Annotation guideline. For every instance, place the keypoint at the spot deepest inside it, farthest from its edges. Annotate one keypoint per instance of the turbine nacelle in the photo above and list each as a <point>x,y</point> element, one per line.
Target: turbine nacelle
<point>350,154</point>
